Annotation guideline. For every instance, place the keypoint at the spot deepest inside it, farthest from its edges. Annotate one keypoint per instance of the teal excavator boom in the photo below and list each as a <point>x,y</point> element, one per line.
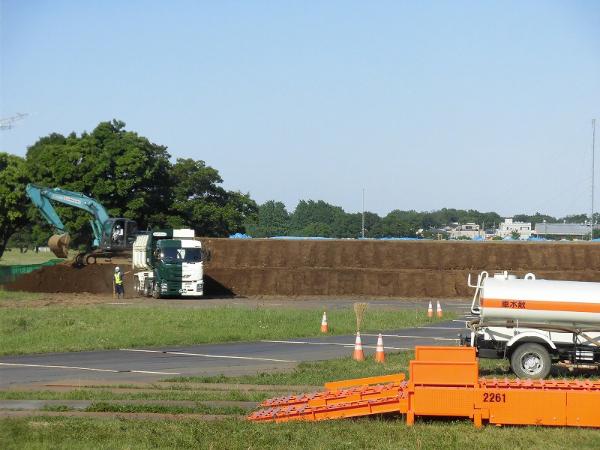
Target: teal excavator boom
<point>111,235</point>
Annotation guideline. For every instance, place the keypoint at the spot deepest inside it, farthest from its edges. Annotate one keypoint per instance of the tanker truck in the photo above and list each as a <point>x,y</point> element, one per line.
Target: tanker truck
<point>535,323</point>
<point>168,264</point>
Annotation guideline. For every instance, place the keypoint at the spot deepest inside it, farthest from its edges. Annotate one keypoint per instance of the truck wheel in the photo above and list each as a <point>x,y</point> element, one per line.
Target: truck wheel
<point>155,291</point>
<point>531,361</point>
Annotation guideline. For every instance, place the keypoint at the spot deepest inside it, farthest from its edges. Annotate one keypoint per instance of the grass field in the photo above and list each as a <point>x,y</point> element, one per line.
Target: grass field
<point>54,329</point>
<point>15,257</point>
<point>234,433</point>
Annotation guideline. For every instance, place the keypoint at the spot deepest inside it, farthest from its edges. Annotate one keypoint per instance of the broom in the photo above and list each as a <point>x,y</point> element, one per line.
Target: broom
<point>359,312</point>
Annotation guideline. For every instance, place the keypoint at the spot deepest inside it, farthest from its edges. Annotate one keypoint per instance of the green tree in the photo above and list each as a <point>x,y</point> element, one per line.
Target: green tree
<point>13,202</point>
<point>125,172</point>
<point>318,218</point>
<point>272,220</point>
<point>535,218</point>
<point>401,224</point>
<point>201,203</point>
<point>134,178</point>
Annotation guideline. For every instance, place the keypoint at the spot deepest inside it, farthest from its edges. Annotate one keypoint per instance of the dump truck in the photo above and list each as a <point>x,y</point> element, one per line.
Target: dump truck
<point>168,263</point>
<point>535,323</point>
<point>112,236</point>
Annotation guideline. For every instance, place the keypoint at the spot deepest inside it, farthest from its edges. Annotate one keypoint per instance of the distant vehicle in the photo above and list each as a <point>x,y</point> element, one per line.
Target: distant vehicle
<point>168,263</point>
<point>112,236</point>
<point>534,323</point>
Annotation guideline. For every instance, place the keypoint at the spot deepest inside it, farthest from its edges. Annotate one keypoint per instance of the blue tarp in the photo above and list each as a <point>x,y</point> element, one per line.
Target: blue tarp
<point>240,236</point>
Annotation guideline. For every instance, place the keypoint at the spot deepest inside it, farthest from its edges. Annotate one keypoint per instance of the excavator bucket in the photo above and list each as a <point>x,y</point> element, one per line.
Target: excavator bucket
<point>59,244</point>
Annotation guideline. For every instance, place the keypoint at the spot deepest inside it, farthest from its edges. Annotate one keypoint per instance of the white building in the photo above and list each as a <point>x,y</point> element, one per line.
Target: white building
<point>467,230</point>
<point>508,227</point>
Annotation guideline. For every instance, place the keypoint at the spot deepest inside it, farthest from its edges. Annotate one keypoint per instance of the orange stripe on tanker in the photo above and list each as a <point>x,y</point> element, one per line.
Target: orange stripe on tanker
<point>540,305</point>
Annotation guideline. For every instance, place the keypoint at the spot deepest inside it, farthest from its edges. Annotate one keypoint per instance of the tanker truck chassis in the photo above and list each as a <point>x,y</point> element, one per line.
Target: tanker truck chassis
<point>536,323</point>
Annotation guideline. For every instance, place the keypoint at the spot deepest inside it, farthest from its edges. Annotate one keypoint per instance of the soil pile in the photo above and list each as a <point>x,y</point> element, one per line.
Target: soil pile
<point>386,268</point>
<point>347,268</point>
<point>95,279</point>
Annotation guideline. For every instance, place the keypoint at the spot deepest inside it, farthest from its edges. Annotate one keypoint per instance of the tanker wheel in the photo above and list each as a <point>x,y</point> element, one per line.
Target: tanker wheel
<point>531,361</point>
<point>90,259</point>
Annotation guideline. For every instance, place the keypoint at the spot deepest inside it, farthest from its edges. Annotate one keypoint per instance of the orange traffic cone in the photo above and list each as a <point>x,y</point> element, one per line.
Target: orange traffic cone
<point>324,327</point>
<point>439,310</point>
<point>358,354</point>
<point>430,310</point>
<point>379,354</point>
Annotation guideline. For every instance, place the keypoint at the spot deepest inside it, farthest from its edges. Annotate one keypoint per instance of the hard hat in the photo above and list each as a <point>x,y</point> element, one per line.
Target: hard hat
<point>117,269</point>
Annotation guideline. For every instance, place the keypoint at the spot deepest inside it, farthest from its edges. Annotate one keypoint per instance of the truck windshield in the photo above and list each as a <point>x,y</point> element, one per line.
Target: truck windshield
<point>188,255</point>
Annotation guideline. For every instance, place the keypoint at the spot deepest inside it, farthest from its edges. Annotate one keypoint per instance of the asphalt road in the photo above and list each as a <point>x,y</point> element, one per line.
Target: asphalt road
<point>208,359</point>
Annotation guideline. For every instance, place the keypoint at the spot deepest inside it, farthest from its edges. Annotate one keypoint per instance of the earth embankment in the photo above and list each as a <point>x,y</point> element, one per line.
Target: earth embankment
<point>417,269</point>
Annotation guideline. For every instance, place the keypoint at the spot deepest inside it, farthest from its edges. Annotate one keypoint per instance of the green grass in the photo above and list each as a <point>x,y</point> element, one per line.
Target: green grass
<point>100,395</point>
<point>59,329</point>
<point>316,373</point>
<point>162,409</point>
<point>368,433</point>
<point>14,257</point>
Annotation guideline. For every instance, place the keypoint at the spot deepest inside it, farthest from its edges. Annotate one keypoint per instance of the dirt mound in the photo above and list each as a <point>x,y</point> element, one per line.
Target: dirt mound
<point>386,268</point>
<point>95,279</point>
<point>347,268</point>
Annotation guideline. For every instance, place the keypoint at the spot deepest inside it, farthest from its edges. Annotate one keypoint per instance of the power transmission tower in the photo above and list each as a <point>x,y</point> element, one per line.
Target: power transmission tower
<point>7,123</point>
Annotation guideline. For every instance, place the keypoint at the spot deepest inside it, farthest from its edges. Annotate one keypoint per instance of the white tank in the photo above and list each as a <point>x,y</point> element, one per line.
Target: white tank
<point>572,303</point>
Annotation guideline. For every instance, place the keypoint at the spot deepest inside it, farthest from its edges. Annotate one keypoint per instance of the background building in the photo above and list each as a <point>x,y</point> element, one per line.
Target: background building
<point>508,227</point>
<point>467,230</point>
<point>563,230</point>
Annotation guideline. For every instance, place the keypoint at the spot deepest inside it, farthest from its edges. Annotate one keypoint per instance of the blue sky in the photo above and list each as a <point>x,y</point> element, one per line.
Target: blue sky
<point>484,105</point>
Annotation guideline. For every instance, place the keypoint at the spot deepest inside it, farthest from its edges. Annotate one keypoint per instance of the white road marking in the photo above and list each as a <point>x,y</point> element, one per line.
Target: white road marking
<point>91,369</point>
<point>412,337</point>
<point>119,303</point>
<point>206,356</point>
<point>332,343</point>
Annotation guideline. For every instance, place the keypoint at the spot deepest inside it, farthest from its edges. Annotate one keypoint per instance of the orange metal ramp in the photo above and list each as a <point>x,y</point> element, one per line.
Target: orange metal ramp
<point>444,382</point>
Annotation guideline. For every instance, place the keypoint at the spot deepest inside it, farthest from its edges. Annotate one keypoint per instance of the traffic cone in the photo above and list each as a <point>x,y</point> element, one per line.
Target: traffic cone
<point>439,310</point>
<point>358,354</point>
<point>324,327</point>
<point>379,354</point>
<point>430,310</point>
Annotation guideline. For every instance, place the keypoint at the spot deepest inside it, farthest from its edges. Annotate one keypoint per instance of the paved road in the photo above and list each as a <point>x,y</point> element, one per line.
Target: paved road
<point>207,359</point>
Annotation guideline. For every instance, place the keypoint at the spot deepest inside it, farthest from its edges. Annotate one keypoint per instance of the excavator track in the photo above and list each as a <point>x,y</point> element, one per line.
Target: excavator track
<point>444,382</point>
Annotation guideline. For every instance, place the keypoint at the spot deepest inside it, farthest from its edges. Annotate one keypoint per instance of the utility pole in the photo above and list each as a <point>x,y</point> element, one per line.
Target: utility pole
<point>593,173</point>
<point>363,215</point>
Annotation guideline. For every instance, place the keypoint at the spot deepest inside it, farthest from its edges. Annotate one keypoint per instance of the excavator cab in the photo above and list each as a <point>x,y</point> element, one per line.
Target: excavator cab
<point>118,234</point>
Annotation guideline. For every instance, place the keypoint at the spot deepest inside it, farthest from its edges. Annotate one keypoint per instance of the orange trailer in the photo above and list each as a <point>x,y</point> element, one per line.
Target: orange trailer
<point>444,382</point>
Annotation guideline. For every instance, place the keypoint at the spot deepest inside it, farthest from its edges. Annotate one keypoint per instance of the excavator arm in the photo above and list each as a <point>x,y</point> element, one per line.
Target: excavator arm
<point>42,197</point>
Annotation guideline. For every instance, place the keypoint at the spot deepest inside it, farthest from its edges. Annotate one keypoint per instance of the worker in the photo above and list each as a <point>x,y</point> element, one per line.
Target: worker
<point>118,283</point>
<point>118,234</point>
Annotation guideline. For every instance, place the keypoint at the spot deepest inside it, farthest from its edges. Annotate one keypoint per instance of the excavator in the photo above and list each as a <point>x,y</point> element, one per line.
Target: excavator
<point>112,236</point>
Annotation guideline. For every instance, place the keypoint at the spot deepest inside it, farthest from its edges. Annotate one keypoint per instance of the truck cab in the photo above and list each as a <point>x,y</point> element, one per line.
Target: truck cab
<point>172,264</point>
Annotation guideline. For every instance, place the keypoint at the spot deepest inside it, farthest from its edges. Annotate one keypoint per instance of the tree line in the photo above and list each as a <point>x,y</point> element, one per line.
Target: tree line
<point>129,175</point>
<point>135,178</point>
<point>319,218</point>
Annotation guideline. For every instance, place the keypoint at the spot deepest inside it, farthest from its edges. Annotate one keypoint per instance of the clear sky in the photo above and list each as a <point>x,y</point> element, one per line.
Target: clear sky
<point>478,104</point>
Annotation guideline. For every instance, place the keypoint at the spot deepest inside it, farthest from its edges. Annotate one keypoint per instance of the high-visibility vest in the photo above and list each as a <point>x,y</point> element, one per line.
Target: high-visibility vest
<point>118,279</point>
